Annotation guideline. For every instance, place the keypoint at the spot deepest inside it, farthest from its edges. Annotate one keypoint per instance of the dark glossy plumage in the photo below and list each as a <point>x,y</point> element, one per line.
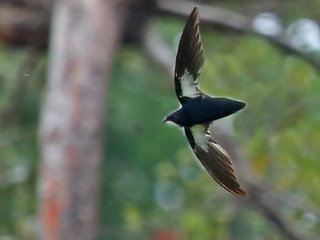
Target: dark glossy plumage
<point>199,110</point>
<point>189,55</point>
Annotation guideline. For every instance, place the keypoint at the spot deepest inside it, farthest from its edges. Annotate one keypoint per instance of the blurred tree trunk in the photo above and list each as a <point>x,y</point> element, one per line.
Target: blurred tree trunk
<point>84,37</point>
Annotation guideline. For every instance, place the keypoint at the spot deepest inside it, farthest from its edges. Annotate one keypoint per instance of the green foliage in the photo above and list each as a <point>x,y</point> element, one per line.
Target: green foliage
<point>161,185</point>
<point>20,95</point>
<point>137,141</point>
<point>151,183</point>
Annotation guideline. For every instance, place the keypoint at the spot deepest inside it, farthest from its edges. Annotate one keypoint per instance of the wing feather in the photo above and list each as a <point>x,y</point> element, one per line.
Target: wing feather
<point>189,59</point>
<point>214,158</point>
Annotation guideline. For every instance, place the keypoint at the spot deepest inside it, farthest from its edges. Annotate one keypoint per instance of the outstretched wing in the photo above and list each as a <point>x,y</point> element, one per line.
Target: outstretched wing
<point>213,157</point>
<point>189,59</point>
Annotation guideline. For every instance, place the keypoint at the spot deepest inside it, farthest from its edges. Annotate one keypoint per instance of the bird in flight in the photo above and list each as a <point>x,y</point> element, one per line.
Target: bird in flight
<point>199,110</point>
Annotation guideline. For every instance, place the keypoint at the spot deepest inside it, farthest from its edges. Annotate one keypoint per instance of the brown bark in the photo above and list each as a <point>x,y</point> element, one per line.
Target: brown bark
<point>84,39</point>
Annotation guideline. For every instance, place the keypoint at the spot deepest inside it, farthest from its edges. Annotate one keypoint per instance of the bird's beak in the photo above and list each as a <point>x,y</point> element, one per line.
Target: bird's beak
<point>164,120</point>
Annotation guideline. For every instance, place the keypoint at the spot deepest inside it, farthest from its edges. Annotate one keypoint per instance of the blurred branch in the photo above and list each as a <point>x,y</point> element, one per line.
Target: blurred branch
<point>158,51</point>
<point>25,22</point>
<point>209,14</point>
<point>298,202</point>
<point>214,16</point>
<point>261,200</point>
<point>223,131</point>
<point>295,201</point>
<point>32,25</point>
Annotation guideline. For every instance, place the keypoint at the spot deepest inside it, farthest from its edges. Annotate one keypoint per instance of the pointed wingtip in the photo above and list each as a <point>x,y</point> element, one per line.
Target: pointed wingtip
<point>195,10</point>
<point>195,14</point>
<point>238,192</point>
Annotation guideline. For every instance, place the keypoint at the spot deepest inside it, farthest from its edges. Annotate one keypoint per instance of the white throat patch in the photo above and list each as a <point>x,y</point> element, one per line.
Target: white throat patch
<point>172,123</point>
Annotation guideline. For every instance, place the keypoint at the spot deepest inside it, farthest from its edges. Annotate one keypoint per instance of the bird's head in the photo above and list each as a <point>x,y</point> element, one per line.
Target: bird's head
<point>173,119</point>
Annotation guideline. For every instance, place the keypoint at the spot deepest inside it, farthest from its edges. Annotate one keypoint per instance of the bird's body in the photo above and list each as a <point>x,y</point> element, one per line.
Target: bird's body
<point>198,110</point>
<point>192,110</point>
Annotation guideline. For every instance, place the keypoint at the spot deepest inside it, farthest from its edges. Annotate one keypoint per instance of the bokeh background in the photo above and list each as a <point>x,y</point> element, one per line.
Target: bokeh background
<point>152,187</point>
